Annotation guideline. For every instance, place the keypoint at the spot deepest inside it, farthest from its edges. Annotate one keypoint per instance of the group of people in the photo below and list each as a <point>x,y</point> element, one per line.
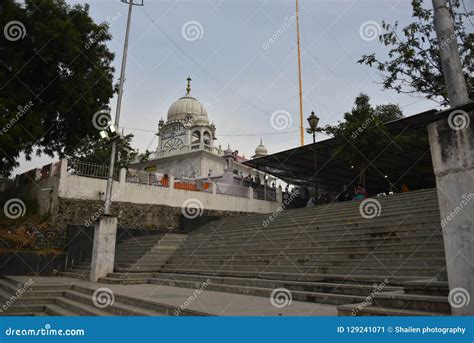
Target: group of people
<point>359,193</point>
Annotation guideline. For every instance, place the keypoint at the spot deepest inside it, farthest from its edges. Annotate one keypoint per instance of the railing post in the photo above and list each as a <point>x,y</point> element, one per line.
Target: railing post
<point>63,170</point>
<point>171,182</point>
<point>279,195</point>
<point>250,195</point>
<point>214,188</point>
<point>123,175</point>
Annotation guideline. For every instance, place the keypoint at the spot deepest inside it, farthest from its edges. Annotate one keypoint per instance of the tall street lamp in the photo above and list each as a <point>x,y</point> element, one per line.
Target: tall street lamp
<point>110,179</point>
<point>313,121</point>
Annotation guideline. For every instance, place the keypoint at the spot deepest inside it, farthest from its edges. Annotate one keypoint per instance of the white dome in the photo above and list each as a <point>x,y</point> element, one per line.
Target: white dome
<point>261,150</point>
<point>185,106</point>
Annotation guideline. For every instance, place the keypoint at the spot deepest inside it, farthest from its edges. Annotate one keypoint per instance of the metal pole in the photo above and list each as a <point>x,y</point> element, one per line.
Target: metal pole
<point>110,179</point>
<point>449,52</point>
<point>299,73</point>
<point>315,176</point>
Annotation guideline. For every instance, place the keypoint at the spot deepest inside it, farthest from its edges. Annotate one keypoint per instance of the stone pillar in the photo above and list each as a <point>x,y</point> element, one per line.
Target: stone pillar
<point>250,195</point>
<point>63,171</point>
<point>214,188</point>
<point>171,182</point>
<point>123,176</point>
<point>279,195</point>
<point>103,251</point>
<point>452,151</point>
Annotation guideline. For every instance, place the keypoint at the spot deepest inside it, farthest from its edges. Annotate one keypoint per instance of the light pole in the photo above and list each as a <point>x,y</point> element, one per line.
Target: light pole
<point>110,178</point>
<point>313,121</point>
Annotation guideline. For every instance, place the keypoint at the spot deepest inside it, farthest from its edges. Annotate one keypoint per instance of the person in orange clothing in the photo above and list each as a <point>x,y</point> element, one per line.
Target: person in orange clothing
<point>405,188</point>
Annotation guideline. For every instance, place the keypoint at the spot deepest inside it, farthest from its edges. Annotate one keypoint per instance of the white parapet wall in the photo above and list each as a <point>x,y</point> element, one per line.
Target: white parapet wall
<point>87,188</point>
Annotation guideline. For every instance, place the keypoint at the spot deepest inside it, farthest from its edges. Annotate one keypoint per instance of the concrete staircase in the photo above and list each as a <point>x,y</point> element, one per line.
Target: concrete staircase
<point>147,253</point>
<point>392,263</point>
<point>73,300</point>
<point>144,253</point>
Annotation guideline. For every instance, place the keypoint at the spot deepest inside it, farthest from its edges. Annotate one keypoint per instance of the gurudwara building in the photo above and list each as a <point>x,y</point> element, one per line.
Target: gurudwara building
<point>187,146</point>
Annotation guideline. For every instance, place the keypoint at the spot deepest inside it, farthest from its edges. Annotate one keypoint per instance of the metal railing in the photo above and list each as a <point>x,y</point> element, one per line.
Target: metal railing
<point>87,169</point>
<point>147,178</point>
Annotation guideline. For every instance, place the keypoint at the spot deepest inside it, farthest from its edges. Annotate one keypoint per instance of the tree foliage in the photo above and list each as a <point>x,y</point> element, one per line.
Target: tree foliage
<point>363,136</point>
<point>414,65</point>
<point>98,151</point>
<point>59,70</point>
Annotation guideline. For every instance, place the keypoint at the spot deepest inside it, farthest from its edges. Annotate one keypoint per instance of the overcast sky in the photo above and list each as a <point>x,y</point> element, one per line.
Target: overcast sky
<point>242,57</point>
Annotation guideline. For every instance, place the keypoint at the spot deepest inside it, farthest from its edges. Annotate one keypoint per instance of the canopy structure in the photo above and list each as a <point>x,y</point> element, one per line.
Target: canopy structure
<point>407,162</point>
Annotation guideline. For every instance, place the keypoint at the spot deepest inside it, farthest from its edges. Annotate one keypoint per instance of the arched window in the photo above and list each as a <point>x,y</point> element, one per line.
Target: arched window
<point>206,138</point>
<point>196,137</point>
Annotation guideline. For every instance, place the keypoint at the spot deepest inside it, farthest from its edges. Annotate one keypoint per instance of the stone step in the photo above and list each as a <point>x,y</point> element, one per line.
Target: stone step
<point>360,310</point>
<point>368,249</point>
<point>427,287</point>
<point>318,297</point>
<point>80,308</point>
<point>75,274</point>
<point>415,302</point>
<point>335,213</point>
<point>322,287</point>
<point>306,242</point>
<point>402,230</point>
<point>301,262</point>
<point>400,254</point>
<point>115,308</point>
<point>314,233</point>
<point>141,306</point>
<point>320,229</point>
<point>310,275</point>
<point>58,311</point>
<point>380,222</point>
<point>352,208</point>
<point>361,270</point>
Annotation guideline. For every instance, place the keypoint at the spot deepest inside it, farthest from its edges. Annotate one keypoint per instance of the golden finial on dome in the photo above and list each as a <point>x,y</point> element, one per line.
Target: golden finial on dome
<point>188,87</point>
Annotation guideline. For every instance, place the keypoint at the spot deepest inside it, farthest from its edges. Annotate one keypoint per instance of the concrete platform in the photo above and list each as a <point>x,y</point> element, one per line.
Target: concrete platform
<point>207,302</point>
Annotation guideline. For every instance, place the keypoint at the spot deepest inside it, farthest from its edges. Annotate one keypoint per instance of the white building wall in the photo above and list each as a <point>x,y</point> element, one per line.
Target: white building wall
<point>79,187</point>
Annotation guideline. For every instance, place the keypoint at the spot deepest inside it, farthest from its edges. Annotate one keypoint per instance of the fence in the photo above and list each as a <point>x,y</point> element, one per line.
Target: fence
<point>99,171</point>
<point>147,178</point>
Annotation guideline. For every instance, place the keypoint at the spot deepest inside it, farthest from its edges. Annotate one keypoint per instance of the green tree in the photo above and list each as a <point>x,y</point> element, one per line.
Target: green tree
<point>414,65</point>
<point>55,73</point>
<point>97,151</point>
<point>363,137</point>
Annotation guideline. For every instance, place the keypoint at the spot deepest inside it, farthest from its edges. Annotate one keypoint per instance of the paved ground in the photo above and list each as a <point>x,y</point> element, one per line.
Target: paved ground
<point>214,303</point>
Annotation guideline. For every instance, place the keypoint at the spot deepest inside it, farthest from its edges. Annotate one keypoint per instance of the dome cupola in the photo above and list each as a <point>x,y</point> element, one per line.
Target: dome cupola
<point>188,107</point>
